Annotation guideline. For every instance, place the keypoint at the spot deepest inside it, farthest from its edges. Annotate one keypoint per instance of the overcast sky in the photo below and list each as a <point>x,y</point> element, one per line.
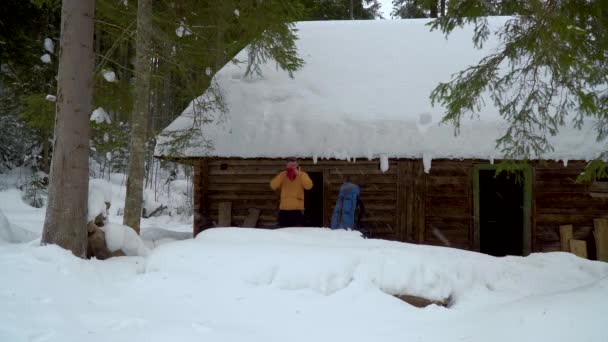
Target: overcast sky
<point>387,6</point>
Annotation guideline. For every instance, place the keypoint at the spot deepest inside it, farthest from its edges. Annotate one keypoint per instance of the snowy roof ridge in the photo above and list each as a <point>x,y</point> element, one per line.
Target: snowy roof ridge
<point>363,92</point>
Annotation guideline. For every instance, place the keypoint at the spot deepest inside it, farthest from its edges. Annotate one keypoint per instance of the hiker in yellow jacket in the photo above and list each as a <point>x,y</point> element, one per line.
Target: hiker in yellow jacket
<point>292,183</point>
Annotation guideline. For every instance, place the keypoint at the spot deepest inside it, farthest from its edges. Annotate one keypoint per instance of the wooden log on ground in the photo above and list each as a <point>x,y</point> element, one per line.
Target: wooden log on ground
<point>565,235</point>
<point>579,248</point>
<point>600,232</point>
<point>251,220</point>
<point>96,243</point>
<point>421,302</point>
<point>225,214</point>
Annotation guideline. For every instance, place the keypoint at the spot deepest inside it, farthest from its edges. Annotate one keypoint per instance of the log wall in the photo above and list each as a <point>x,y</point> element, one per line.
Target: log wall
<point>403,204</point>
<point>559,200</point>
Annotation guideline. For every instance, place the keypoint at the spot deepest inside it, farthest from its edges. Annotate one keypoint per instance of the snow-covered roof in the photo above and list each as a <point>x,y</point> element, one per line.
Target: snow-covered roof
<point>363,92</point>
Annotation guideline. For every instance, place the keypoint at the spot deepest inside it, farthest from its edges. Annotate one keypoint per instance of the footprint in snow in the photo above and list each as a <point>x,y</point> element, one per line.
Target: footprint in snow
<point>200,327</point>
<point>41,337</point>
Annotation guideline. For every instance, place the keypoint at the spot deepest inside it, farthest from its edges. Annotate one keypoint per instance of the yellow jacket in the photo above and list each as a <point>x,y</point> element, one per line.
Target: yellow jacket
<point>292,192</point>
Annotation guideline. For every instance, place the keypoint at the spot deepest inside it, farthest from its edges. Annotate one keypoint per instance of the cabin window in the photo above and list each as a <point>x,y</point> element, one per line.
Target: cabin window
<point>502,212</point>
<point>313,201</point>
<point>223,166</point>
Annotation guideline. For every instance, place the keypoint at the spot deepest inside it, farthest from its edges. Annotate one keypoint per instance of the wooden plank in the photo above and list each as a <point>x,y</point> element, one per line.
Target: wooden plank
<point>400,209</point>
<point>204,197</point>
<point>225,214</point>
<point>251,220</point>
<point>565,235</point>
<point>197,224</point>
<point>580,219</point>
<point>578,248</point>
<point>409,200</point>
<point>600,232</point>
<point>420,195</point>
<point>327,199</point>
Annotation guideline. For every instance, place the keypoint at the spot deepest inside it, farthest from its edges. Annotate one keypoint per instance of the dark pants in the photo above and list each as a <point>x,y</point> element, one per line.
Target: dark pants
<point>291,218</point>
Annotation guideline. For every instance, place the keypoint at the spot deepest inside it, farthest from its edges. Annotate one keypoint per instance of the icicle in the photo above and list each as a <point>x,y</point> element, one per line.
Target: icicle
<point>314,159</point>
<point>491,160</point>
<point>426,161</point>
<point>565,161</point>
<point>384,165</point>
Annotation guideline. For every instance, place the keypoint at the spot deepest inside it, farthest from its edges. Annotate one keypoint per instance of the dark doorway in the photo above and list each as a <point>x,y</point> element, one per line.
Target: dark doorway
<point>313,201</point>
<point>501,213</point>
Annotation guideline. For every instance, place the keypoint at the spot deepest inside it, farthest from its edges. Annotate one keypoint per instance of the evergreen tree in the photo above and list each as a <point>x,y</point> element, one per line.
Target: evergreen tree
<point>66,213</point>
<point>28,65</point>
<point>550,69</point>
<point>135,175</point>
<point>340,9</point>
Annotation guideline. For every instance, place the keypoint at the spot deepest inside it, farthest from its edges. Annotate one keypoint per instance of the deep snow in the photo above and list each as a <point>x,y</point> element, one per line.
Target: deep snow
<point>235,284</point>
<point>295,284</point>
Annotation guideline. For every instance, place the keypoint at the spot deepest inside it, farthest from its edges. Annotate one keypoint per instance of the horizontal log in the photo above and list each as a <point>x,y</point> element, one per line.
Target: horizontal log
<point>230,195</point>
<point>364,179</point>
<point>449,212</point>
<point>568,216</point>
<point>449,202</point>
<point>248,188</point>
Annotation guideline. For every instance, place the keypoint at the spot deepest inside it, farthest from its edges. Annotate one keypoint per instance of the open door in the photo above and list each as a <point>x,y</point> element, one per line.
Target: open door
<point>502,212</point>
<point>313,201</point>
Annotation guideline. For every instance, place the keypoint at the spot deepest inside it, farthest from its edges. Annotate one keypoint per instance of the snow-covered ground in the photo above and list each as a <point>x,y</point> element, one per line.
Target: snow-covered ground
<point>307,284</point>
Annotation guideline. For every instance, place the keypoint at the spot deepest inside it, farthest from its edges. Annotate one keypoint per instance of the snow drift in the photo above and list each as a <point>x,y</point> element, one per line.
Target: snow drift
<point>298,285</point>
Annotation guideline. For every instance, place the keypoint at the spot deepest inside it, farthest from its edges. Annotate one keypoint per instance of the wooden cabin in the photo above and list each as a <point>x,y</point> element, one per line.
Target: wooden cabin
<point>365,114</point>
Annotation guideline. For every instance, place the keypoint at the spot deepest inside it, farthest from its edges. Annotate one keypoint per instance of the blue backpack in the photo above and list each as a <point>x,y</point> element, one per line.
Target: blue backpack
<point>344,213</point>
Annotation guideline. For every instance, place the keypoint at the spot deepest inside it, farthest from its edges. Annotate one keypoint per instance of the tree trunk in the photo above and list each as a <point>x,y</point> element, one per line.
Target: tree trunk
<point>65,223</point>
<point>442,7</point>
<point>46,155</point>
<point>135,180</point>
<point>434,8</point>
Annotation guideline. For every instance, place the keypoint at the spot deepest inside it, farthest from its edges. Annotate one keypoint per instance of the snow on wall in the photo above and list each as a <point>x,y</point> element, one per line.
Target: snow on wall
<point>363,92</point>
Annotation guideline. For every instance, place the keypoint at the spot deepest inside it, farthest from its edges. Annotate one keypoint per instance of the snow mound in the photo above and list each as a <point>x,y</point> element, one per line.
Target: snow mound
<point>100,193</point>
<point>328,261</point>
<point>119,237</point>
<point>253,285</point>
<point>10,233</point>
<point>150,204</point>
